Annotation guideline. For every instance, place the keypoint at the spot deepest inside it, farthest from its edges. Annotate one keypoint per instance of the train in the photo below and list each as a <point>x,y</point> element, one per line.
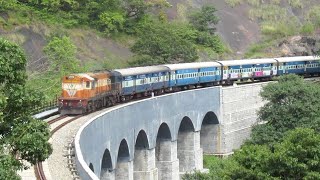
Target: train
<point>86,92</point>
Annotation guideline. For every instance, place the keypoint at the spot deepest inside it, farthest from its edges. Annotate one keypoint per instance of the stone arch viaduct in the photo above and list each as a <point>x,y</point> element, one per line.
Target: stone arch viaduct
<point>164,137</point>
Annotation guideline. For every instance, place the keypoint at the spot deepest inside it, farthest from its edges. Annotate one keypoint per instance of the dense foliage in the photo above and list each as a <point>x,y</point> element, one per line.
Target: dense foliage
<point>160,44</point>
<point>172,42</point>
<point>290,103</point>
<point>21,136</point>
<point>286,144</point>
<point>295,156</point>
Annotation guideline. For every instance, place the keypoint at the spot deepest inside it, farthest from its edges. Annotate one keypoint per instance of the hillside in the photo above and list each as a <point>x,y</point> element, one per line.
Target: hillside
<point>242,24</point>
<point>268,23</point>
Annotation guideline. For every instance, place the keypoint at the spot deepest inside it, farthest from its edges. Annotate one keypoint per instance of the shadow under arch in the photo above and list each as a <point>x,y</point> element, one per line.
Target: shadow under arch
<point>140,161</point>
<point>106,165</point>
<point>210,134</point>
<point>91,167</point>
<point>163,137</point>
<point>186,124</point>
<point>124,166</point>
<point>165,153</point>
<point>187,145</point>
<point>142,140</point>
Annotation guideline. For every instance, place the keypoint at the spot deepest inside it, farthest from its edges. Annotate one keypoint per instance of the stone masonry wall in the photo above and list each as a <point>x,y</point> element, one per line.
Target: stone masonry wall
<point>239,112</point>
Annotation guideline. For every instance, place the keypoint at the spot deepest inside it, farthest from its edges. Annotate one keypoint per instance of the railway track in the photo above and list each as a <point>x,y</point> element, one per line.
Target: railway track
<point>38,168</point>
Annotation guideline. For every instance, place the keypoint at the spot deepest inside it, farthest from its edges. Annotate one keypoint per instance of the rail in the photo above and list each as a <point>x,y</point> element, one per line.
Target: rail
<point>38,168</point>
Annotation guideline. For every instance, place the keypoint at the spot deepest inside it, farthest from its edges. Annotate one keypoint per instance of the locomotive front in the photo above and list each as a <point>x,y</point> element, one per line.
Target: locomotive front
<point>76,92</point>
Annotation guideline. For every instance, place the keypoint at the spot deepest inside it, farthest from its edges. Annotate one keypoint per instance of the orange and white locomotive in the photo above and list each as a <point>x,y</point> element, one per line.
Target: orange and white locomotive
<point>85,92</point>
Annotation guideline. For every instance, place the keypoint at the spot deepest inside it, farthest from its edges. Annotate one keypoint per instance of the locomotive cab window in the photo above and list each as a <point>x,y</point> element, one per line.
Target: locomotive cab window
<point>88,85</point>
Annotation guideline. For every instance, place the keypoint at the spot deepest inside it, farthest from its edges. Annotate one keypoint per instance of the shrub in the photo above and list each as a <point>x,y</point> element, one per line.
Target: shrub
<point>307,28</point>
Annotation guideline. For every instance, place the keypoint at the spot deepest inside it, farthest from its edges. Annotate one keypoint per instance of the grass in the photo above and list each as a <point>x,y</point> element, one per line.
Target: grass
<point>254,2</point>
<point>314,16</point>
<point>307,29</point>
<point>233,3</point>
<point>258,50</point>
<point>296,3</point>
<point>268,12</point>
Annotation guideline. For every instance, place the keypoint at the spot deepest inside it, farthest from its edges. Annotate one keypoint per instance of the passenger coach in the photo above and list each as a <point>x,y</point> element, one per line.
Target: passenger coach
<point>141,81</point>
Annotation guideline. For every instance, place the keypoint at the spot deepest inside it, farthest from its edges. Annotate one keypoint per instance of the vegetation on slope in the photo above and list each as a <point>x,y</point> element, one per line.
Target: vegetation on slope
<point>279,20</point>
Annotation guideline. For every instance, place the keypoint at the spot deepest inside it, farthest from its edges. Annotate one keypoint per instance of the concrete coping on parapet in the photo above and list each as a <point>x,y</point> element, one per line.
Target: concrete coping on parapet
<point>242,85</point>
<point>78,151</point>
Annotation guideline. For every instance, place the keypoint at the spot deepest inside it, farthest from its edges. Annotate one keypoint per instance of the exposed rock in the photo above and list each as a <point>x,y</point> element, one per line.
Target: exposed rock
<point>300,46</point>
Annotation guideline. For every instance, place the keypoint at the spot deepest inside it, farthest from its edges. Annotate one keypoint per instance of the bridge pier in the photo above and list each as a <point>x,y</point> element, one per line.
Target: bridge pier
<point>167,162</point>
<point>189,152</point>
<point>145,165</point>
<point>124,169</point>
<point>108,175</point>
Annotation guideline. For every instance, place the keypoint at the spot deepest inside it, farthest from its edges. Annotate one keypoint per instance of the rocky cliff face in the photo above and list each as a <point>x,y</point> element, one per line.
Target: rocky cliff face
<point>299,46</point>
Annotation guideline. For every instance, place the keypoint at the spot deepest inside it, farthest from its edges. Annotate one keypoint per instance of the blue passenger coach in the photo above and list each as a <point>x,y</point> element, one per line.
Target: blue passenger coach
<point>248,69</point>
<point>298,65</point>
<point>193,73</point>
<point>142,79</point>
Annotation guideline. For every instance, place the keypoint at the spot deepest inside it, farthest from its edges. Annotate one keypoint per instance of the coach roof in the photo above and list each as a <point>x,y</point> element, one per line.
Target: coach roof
<point>247,61</point>
<point>297,58</point>
<point>195,65</point>
<point>141,70</point>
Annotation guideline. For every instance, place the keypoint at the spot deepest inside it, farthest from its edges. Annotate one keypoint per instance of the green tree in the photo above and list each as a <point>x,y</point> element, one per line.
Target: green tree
<point>290,103</point>
<point>9,166</point>
<point>205,19</point>
<point>62,55</point>
<point>296,156</point>
<point>20,134</point>
<point>7,4</point>
<point>160,44</point>
<point>112,22</point>
<point>53,5</point>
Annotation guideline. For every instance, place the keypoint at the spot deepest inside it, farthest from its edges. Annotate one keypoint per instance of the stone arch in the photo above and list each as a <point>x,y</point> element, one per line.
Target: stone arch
<point>106,165</point>
<point>140,152</point>
<point>210,134</point>
<point>163,137</point>
<point>91,167</point>
<point>188,147</point>
<point>186,124</point>
<point>144,158</point>
<point>124,167</point>
<point>166,154</point>
<point>142,140</point>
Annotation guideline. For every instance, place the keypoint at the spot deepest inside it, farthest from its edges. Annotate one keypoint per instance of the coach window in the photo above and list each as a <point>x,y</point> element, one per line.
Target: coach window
<point>93,84</point>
